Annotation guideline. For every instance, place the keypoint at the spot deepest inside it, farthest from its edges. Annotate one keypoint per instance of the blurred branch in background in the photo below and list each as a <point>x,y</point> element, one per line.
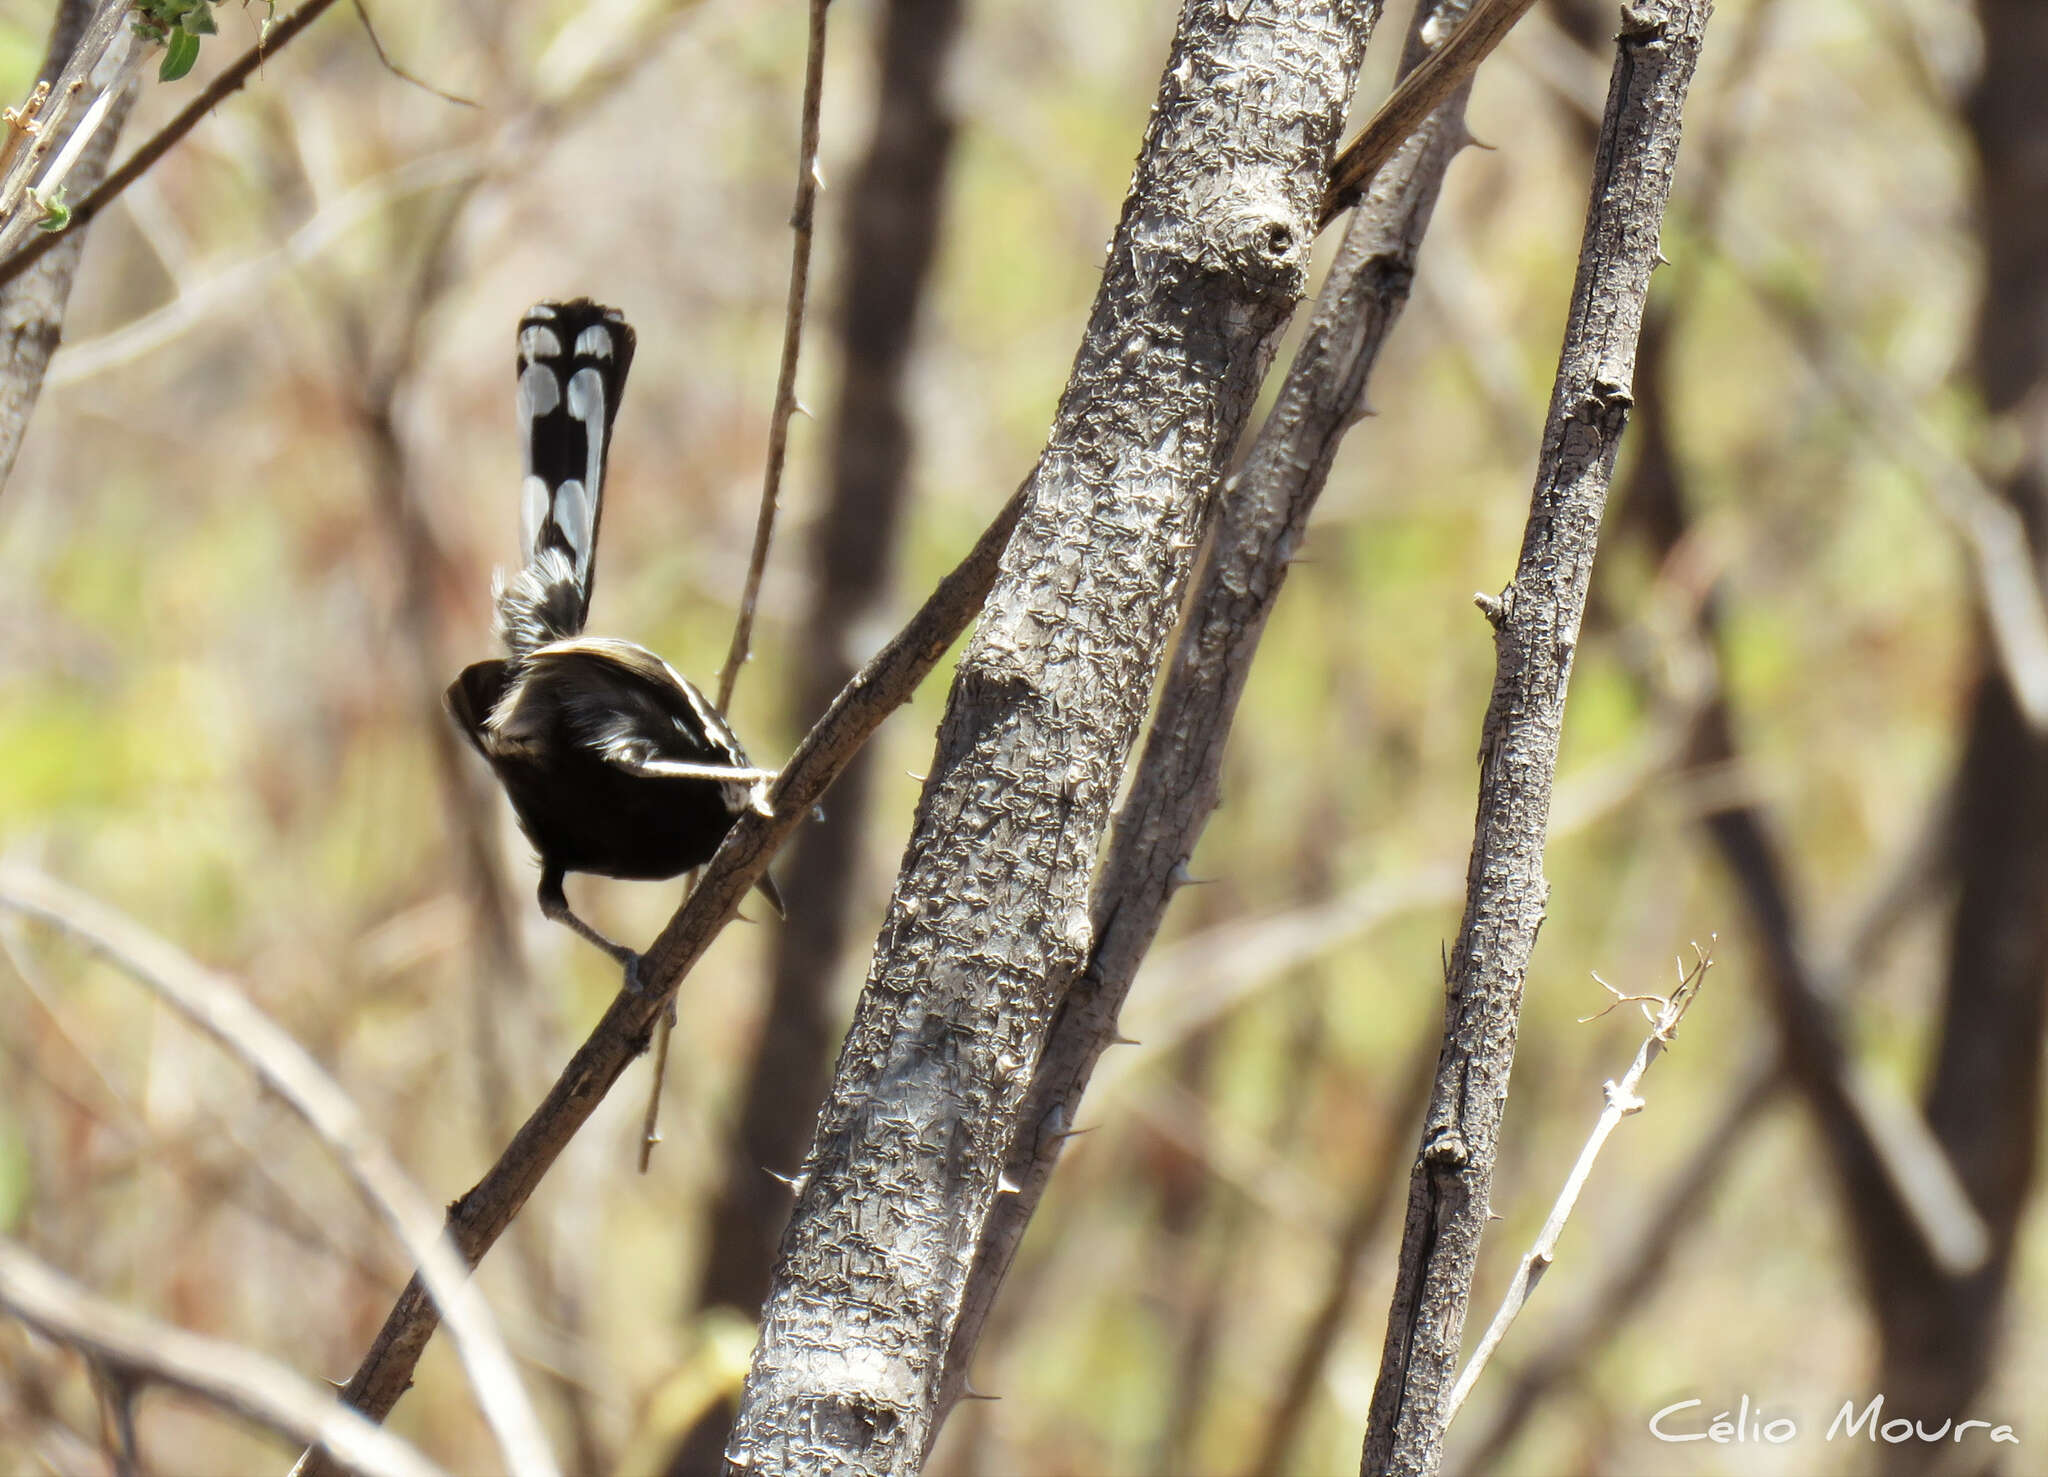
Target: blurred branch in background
<point>32,303</point>
<point>140,1351</point>
<point>1376,1192</point>
<point>1897,1182</point>
<point>1178,776</point>
<point>215,1006</point>
<point>1536,622</point>
<point>1942,1327</point>
<point>892,217</point>
<point>988,927</point>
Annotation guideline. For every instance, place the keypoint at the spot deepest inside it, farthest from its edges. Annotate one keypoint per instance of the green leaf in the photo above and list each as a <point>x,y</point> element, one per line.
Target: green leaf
<point>180,51</point>
<point>198,20</point>
<point>56,214</point>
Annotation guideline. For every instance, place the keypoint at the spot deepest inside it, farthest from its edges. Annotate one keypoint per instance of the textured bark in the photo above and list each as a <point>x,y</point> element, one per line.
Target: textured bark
<point>1536,624</point>
<point>990,919</point>
<point>32,305</point>
<point>1941,1334</point>
<point>1178,778</point>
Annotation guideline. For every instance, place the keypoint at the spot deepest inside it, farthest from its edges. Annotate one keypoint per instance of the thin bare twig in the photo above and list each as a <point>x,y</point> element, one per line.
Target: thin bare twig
<point>1378,1188</point>
<point>222,1011</point>
<point>801,218</point>
<point>230,81</point>
<point>1420,93</point>
<point>363,15</point>
<point>1622,1100</point>
<point>133,1348</point>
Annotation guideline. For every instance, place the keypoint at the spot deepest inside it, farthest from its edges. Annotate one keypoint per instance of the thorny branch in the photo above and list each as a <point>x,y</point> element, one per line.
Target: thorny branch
<point>1178,777</point>
<point>1536,621</point>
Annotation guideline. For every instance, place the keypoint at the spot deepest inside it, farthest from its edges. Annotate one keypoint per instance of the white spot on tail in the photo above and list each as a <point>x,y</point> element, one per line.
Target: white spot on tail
<point>540,343</point>
<point>539,393</point>
<point>573,517</point>
<point>586,403</point>
<point>533,510</point>
<point>596,341</point>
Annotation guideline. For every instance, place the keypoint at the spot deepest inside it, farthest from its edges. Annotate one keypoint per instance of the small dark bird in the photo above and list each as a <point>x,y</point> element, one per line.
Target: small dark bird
<point>614,762</point>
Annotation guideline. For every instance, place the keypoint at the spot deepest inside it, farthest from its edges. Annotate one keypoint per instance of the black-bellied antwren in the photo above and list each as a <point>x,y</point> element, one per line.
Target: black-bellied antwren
<point>614,762</point>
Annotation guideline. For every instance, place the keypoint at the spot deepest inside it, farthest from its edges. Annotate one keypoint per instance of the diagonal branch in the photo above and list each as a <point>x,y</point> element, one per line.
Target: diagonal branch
<point>1536,622</point>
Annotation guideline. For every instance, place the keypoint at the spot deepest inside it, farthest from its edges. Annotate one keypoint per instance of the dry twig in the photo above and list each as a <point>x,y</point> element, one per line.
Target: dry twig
<point>801,218</point>
<point>1622,1100</point>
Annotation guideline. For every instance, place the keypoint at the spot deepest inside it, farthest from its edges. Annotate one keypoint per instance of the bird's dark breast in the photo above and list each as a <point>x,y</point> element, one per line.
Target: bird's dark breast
<point>588,816</point>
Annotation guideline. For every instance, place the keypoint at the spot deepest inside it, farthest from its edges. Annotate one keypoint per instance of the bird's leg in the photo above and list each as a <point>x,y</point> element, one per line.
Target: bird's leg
<point>554,903</point>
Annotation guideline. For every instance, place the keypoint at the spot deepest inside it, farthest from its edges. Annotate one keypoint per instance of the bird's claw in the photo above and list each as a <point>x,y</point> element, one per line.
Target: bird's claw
<point>635,983</point>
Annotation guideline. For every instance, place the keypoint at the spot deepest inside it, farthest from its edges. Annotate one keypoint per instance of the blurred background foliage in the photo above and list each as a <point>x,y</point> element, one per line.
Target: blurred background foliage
<point>225,621</point>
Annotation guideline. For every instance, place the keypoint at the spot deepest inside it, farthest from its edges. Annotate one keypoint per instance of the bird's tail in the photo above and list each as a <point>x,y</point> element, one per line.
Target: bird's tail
<point>573,359</point>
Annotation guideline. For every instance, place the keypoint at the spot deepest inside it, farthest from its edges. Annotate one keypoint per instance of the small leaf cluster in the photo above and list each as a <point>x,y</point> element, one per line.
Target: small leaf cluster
<point>177,25</point>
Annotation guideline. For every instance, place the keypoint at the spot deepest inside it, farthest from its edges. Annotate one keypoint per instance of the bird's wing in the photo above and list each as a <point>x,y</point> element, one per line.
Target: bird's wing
<point>473,697</point>
<point>635,711</point>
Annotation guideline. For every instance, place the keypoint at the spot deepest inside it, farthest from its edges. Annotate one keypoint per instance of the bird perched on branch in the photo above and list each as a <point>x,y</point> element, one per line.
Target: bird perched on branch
<point>614,762</point>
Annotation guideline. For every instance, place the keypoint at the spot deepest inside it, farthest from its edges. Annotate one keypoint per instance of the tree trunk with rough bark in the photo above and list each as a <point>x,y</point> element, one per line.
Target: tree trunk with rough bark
<point>990,919</point>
